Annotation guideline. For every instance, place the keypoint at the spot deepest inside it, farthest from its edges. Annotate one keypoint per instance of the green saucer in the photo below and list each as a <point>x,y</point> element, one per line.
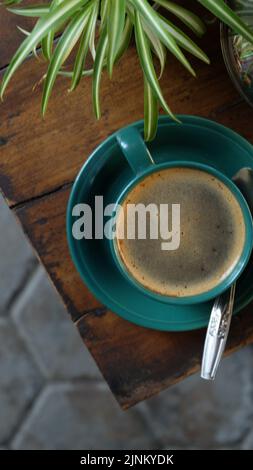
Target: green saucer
<point>105,174</point>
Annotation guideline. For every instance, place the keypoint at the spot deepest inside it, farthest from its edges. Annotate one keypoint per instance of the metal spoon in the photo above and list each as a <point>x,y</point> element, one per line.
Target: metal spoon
<point>220,319</point>
<point>217,333</point>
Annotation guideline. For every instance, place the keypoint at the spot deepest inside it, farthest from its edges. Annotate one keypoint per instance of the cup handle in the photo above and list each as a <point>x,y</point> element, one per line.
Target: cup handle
<point>134,149</point>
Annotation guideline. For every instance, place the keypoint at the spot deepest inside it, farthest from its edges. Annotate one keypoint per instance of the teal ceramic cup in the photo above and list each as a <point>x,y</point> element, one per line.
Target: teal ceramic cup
<point>142,164</point>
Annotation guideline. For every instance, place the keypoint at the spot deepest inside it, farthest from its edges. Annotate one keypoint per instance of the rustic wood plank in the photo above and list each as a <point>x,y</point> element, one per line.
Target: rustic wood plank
<point>239,118</point>
<point>44,223</point>
<point>138,363</point>
<point>11,37</point>
<point>152,360</point>
<point>38,156</point>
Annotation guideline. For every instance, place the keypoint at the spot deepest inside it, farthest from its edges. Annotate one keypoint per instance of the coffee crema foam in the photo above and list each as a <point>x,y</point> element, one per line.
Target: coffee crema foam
<point>212,233</point>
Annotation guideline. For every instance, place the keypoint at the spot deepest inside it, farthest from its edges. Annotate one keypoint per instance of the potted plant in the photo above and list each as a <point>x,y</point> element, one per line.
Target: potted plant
<point>104,28</point>
<point>238,51</point>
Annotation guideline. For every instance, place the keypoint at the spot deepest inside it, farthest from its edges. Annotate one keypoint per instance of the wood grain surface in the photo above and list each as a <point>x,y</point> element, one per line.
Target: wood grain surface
<point>39,160</point>
<point>10,35</point>
<point>44,223</point>
<point>140,363</point>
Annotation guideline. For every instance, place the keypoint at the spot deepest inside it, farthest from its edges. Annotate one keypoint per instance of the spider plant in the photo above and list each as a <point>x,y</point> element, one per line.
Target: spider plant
<point>243,49</point>
<point>104,29</point>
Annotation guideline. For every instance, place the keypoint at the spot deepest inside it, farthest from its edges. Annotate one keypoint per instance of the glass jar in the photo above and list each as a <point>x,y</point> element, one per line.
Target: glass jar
<point>237,52</point>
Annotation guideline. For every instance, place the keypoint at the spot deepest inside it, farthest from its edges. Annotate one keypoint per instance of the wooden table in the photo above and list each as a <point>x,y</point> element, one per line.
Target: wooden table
<point>38,164</point>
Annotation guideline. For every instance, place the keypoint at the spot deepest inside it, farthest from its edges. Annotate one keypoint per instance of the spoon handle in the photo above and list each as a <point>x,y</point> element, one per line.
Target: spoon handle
<point>217,333</point>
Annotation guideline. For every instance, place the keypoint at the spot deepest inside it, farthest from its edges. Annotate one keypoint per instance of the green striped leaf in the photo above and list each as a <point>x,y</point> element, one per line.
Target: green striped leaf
<point>158,47</point>
<point>43,26</point>
<point>184,41</point>
<point>115,26</point>
<point>145,56</point>
<point>220,9</point>
<point>123,46</point>
<point>92,40</point>
<point>187,17</point>
<point>153,20</point>
<point>69,73</point>
<point>88,24</point>
<point>103,13</point>
<point>33,11</point>
<point>11,2</point>
<point>125,39</point>
<point>64,47</point>
<point>98,67</point>
<point>27,33</point>
<point>47,42</point>
<point>150,112</point>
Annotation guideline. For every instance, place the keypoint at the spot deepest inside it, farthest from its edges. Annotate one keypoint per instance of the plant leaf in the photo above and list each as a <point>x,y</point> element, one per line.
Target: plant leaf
<point>187,17</point>
<point>220,9</point>
<point>115,25</point>
<point>125,39</point>
<point>69,73</point>
<point>103,13</point>
<point>184,41</point>
<point>27,33</point>
<point>64,47</point>
<point>92,40</point>
<point>23,31</point>
<point>47,42</point>
<point>156,25</point>
<point>43,26</point>
<point>11,2</point>
<point>150,112</point>
<point>97,71</point>
<point>158,47</point>
<point>144,53</point>
<point>33,11</point>
<point>88,25</point>
<point>123,46</point>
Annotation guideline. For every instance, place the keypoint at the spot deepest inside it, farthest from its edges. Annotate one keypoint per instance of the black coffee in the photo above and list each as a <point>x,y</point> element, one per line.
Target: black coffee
<point>212,233</point>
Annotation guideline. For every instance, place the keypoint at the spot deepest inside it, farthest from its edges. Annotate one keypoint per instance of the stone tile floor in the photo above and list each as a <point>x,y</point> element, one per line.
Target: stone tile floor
<point>52,395</point>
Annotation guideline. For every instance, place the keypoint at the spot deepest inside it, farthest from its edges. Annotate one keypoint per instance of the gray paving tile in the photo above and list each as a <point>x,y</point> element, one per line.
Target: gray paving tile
<point>81,416</point>
<point>199,414</point>
<point>20,379</point>
<point>247,443</point>
<point>16,257</point>
<point>51,336</point>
